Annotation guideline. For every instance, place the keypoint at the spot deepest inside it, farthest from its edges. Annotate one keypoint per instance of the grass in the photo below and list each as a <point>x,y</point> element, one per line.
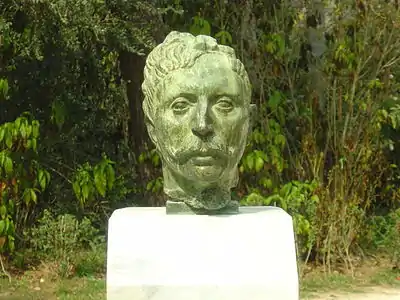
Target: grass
<point>368,275</point>
<point>62,289</point>
<point>39,284</point>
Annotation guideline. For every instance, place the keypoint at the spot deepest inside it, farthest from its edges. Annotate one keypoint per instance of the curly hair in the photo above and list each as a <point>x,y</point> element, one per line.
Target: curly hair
<point>180,51</point>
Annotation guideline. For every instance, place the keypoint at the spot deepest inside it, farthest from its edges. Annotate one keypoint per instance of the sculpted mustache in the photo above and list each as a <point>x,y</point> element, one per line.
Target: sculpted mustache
<point>185,155</point>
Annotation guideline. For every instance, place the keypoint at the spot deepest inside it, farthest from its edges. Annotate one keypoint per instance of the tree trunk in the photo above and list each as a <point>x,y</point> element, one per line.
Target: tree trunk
<point>132,66</point>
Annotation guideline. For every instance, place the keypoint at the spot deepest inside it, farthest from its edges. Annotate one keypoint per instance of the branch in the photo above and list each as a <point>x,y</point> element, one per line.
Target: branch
<point>4,270</point>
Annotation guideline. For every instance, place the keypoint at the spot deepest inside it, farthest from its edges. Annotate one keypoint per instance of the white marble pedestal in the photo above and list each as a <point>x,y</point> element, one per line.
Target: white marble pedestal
<point>248,256</point>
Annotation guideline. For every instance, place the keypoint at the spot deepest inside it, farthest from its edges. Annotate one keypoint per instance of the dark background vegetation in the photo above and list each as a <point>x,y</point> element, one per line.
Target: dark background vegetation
<point>73,147</point>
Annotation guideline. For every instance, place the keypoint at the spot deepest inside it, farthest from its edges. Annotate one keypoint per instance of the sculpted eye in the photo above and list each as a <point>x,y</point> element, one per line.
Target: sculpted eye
<point>224,104</point>
<point>180,105</point>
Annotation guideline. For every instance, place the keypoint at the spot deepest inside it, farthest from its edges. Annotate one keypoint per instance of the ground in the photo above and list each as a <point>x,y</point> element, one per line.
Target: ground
<point>375,293</point>
<point>372,282</point>
<point>375,280</point>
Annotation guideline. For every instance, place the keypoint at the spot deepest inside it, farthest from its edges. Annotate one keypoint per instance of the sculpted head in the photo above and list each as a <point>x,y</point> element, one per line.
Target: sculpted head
<point>197,110</point>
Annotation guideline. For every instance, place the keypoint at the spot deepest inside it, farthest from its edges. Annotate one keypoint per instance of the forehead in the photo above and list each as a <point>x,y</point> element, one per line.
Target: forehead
<point>211,73</point>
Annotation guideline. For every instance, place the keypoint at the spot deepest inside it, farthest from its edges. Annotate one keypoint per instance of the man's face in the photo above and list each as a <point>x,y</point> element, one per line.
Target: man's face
<point>202,120</point>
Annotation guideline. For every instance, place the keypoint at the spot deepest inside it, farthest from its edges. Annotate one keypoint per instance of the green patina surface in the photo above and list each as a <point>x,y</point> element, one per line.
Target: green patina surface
<point>198,111</point>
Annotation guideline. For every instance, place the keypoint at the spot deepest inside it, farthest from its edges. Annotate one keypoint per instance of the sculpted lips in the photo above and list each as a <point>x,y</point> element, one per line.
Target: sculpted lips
<point>204,159</point>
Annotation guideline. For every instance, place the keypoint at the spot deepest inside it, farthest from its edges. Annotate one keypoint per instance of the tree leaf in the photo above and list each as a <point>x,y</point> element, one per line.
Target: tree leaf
<point>22,131</point>
<point>33,195</point>
<point>156,160</point>
<point>3,211</point>
<point>274,100</point>
<point>2,133</point>
<point>250,161</point>
<point>34,144</point>
<point>224,37</point>
<point>9,138</point>
<point>85,191</point>
<point>2,227</point>
<point>77,189</point>
<point>110,173</point>
<point>27,196</point>
<point>8,165</point>
<point>271,199</point>
<point>4,87</point>
<point>149,185</point>
<point>314,198</point>
<point>280,140</point>
<point>100,181</point>
<point>11,244</point>
<point>200,26</point>
<point>42,180</point>
<point>35,129</point>
<point>259,163</point>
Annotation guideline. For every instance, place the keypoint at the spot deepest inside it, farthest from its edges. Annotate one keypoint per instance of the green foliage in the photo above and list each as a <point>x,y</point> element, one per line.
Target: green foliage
<point>325,145</point>
<point>152,157</point>
<point>92,181</point>
<point>65,61</point>
<point>300,200</point>
<point>22,178</point>
<point>383,235</point>
<point>326,91</point>
<point>59,239</point>
<point>93,261</point>
<point>200,26</point>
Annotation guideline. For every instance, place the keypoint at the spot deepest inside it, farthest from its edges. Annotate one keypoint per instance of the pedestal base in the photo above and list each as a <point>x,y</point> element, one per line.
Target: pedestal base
<point>249,255</point>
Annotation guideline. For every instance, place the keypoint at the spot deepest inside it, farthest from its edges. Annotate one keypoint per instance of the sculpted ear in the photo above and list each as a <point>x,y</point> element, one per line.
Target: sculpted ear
<point>151,131</point>
<point>148,120</point>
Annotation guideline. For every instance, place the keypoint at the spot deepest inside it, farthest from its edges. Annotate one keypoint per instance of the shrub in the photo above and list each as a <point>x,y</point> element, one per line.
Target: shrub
<point>72,245</point>
<point>383,235</point>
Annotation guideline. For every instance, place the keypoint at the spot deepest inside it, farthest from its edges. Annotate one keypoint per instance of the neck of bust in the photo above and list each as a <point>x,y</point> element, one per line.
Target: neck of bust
<point>206,197</point>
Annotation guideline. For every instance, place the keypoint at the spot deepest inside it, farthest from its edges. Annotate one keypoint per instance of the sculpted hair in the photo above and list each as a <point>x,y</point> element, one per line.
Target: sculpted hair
<point>180,51</point>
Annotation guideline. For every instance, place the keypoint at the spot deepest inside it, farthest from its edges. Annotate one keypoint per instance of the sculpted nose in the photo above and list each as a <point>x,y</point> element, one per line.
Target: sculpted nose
<point>202,131</point>
<point>202,127</point>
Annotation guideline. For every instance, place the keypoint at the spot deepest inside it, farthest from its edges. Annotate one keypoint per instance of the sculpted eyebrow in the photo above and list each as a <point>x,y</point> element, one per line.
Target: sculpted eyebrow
<point>171,96</point>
